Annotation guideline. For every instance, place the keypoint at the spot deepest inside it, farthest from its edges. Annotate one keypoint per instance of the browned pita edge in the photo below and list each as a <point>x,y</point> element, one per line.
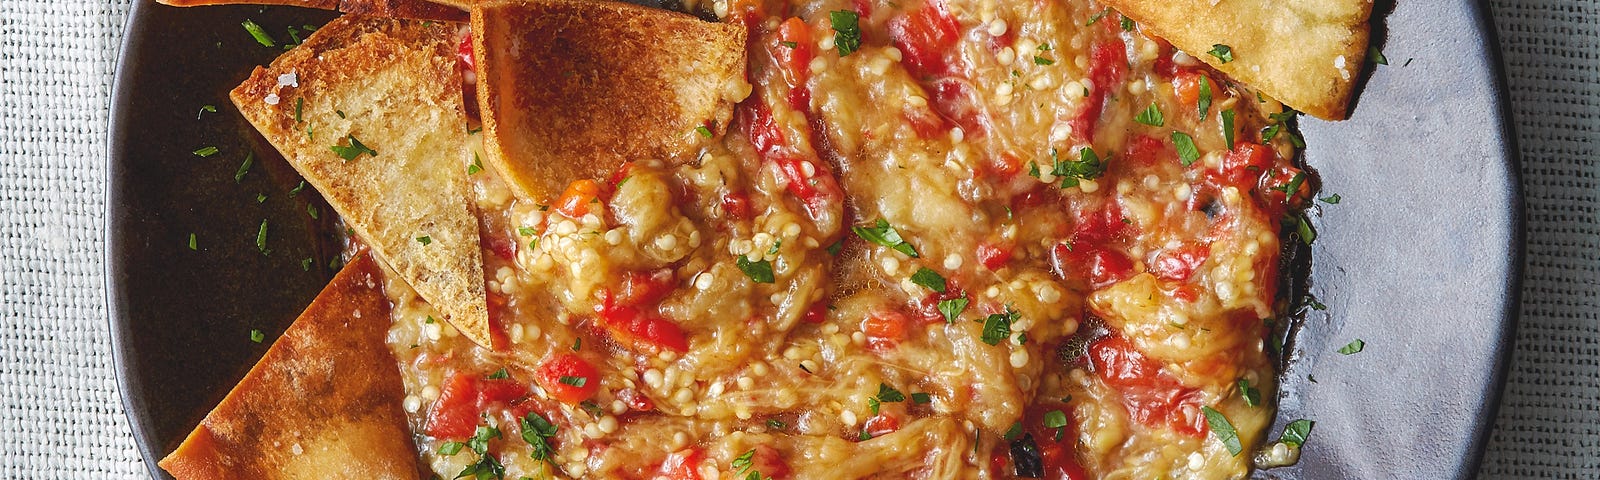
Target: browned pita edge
<point>1307,54</point>
<point>392,85</point>
<point>413,9</point>
<point>324,402</point>
<point>571,89</point>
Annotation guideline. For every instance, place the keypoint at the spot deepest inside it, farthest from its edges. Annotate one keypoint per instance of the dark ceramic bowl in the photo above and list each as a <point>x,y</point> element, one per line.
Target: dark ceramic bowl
<point>1421,258</point>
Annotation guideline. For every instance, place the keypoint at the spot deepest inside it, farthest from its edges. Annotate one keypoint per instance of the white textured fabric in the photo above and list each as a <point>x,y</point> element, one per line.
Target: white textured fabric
<point>60,416</point>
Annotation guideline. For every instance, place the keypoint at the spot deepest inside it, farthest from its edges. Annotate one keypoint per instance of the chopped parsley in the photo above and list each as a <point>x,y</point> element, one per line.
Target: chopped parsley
<point>451,448</point>
<point>313,212</point>
<point>1280,123</point>
<point>776,424</point>
<point>577,344</point>
<point>1187,153</point>
<point>1227,127</point>
<point>192,244</point>
<point>207,151</point>
<point>1204,102</point>
<point>355,149</point>
<point>536,431</point>
<point>260,34</point>
<point>929,279</point>
<point>1377,56</point>
<point>257,336</point>
<point>500,374</point>
<point>703,131</point>
<point>846,31</point>
<point>261,197</point>
<point>1093,19</point>
<point>1223,430</point>
<point>1039,60</point>
<point>526,231</point>
<point>1058,420</point>
<point>742,463</point>
<point>952,308</point>
<point>477,165</point>
<point>1013,432</point>
<point>759,272</point>
<point>1302,228</point>
<point>1293,186</point>
<point>886,394</point>
<point>487,466</point>
<point>1088,166</point>
<point>997,327</point>
<point>1151,116</point>
<point>425,240</point>
<point>1222,52</point>
<point>244,168</point>
<point>789,44</point>
<point>1252,395</point>
<point>574,381</point>
<point>1296,432</point>
<point>305,264</point>
<point>1354,347</point>
<point>1330,199</point>
<point>204,109</point>
<point>297,188</point>
<point>299,108</point>
<point>1127,24</point>
<point>261,238</point>
<point>882,233</point>
<point>921,398</point>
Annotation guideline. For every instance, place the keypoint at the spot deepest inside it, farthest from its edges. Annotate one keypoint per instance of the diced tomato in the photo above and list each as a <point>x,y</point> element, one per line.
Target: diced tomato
<point>1178,264</point>
<point>1098,265</point>
<point>636,328</point>
<point>795,61</point>
<point>1186,86</point>
<point>1151,396</point>
<point>769,461</point>
<point>1056,444</point>
<point>881,424</point>
<point>644,288</point>
<point>620,174</point>
<point>455,414</point>
<point>1004,165</point>
<point>499,391</point>
<point>958,102</point>
<point>1102,225</point>
<point>1145,150</point>
<point>681,465</point>
<point>863,8</point>
<point>576,201</point>
<point>1244,165</point>
<point>1164,64</point>
<point>992,256</point>
<point>635,400</point>
<point>927,39</point>
<point>582,379</point>
<point>817,313</point>
<point>1107,62</point>
<point>737,205</point>
<point>884,328</point>
<point>759,125</point>
<point>464,52</point>
<point>794,173</point>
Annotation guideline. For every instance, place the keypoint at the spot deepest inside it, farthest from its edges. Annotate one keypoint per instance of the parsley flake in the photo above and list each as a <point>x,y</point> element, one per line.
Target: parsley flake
<point>260,34</point>
<point>204,109</point>
<point>261,238</point>
<point>500,374</point>
<point>355,149</point>
<point>536,431</point>
<point>997,327</point>
<point>1377,56</point>
<point>192,244</point>
<point>929,279</point>
<point>207,151</point>
<point>703,131</point>
<point>1252,395</point>
<point>1330,199</point>
<point>476,166</point>
<point>1227,127</point>
<point>257,336</point>
<point>1222,52</point>
<point>1223,430</point>
<point>952,308</point>
<point>249,159</point>
<point>882,233</point>
<point>1354,347</point>
<point>759,272</point>
<point>1204,103</point>
<point>846,31</point>
<point>921,398</point>
<point>574,381</point>
<point>1296,432</point>
<point>1088,166</point>
<point>1151,116</point>
<point>1187,152</point>
<point>425,240</point>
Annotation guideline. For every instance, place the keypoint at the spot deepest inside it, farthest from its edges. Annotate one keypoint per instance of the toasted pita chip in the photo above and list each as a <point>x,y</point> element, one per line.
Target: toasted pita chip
<point>324,402</point>
<point>414,9</point>
<point>1305,53</point>
<point>370,111</point>
<point>571,89</point>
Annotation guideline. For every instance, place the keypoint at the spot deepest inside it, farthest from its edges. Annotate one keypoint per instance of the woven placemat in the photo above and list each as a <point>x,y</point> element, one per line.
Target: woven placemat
<point>60,416</point>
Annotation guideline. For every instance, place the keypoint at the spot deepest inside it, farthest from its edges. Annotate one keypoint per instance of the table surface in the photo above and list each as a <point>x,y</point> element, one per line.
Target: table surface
<point>60,416</point>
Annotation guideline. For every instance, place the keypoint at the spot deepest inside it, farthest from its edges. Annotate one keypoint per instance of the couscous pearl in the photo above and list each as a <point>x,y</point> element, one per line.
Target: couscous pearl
<point>412,403</point>
<point>430,393</point>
